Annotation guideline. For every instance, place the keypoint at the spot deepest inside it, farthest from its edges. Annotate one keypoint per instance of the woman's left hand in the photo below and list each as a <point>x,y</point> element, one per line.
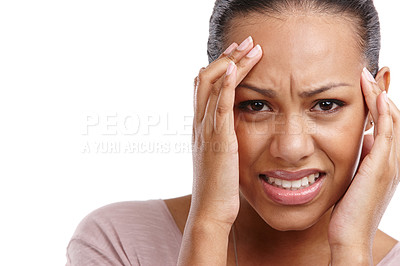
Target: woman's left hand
<point>356,216</point>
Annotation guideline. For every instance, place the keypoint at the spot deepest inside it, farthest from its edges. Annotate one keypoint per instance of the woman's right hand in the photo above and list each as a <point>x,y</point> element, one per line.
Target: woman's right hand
<point>215,197</point>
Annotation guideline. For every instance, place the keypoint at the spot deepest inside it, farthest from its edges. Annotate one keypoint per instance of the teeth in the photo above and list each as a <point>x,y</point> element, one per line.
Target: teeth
<point>304,181</point>
<point>295,184</point>
<point>286,184</point>
<point>311,179</point>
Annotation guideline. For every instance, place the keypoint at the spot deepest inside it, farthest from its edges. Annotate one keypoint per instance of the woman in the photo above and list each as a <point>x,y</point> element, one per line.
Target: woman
<point>282,172</point>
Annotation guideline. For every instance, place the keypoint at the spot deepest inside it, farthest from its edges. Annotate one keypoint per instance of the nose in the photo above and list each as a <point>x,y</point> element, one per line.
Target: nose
<point>292,139</point>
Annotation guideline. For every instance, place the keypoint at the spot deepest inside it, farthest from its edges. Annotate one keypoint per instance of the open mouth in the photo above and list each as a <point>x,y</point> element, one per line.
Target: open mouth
<point>292,188</point>
<point>297,184</point>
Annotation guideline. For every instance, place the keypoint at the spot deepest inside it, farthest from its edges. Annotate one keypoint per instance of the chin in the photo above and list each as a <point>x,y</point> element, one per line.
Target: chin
<point>294,220</point>
<point>291,224</point>
<point>287,217</point>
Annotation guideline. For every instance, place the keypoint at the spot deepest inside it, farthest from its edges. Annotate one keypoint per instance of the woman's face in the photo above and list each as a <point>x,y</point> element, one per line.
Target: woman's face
<point>300,108</point>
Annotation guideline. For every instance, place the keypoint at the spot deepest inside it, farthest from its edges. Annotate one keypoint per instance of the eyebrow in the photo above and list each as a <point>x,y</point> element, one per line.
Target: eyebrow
<point>305,94</point>
<point>266,92</point>
<point>329,86</point>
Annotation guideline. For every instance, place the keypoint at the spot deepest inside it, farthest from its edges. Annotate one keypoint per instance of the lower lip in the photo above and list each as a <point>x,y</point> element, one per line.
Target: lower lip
<point>293,197</point>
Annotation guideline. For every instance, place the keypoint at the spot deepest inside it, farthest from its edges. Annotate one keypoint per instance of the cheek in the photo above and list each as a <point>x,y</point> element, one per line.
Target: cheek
<point>341,143</point>
<point>252,140</point>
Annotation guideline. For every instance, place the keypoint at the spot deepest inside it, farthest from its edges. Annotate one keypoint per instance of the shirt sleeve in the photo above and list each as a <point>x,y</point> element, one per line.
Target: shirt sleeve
<point>96,241</point>
<point>125,234</point>
<point>81,253</point>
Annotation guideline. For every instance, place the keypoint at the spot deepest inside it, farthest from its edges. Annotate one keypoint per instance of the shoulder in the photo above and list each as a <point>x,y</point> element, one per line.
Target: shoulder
<point>386,249</point>
<point>123,216</point>
<point>127,232</point>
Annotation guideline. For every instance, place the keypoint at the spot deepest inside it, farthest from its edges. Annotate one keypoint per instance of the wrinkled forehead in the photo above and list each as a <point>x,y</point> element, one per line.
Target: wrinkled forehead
<point>305,48</point>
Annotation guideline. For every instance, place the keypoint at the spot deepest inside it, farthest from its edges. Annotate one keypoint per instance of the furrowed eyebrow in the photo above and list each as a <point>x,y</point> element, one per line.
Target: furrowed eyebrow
<point>305,94</point>
<point>311,93</point>
<point>266,92</point>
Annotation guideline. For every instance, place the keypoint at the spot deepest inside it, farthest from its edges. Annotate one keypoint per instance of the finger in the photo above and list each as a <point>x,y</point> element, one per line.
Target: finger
<point>381,163</point>
<point>224,110</point>
<point>228,50</point>
<point>367,146</point>
<point>384,140</point>
<point>371,92</point>
<point>208,77</point>
<point>195,95</point>
<point>243,67</point>
<point>393,160</point>
<point>247,63</point>
<point>395,113</point>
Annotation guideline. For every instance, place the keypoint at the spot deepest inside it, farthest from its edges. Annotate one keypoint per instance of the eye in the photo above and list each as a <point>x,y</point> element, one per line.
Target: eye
<point>254,106</point>
<point>327,105</point>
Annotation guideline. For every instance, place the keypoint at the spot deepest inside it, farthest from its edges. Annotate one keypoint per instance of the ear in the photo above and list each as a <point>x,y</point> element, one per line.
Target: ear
<point>383,80</point>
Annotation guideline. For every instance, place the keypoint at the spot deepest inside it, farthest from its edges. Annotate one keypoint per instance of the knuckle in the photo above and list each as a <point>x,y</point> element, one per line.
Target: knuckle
<point>201,70</point>
<point>202,76</point>
<point>215,90</point>
<point>230,58</point>
<point>387,136</point>
<point>221,110</point>
<point>242,64</point>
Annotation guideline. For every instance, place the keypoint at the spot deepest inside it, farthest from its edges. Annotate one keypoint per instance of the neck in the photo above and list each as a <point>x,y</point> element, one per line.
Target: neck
<point>259,242</point>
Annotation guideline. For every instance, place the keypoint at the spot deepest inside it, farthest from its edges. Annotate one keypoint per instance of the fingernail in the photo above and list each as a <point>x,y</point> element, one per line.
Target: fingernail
<point>255,51</point>
<point>230,68</point>
<point>385,96</point>
<point>230,48</point>
<point>369,75</point>
<point>245,43</point>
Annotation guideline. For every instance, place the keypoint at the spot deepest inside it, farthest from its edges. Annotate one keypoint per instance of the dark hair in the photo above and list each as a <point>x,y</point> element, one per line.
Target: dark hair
<point>360,12</point>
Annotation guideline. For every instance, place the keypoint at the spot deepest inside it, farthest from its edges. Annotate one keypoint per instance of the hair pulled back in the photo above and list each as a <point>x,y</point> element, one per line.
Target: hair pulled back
<point>361,12</point>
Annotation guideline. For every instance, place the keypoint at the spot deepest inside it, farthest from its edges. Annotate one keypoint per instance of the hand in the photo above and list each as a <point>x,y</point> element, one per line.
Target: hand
<point>215,195</point>
<point>356,216</point>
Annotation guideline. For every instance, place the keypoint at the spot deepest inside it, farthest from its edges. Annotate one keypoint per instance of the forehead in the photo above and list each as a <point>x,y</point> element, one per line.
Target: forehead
<point>306,49</point>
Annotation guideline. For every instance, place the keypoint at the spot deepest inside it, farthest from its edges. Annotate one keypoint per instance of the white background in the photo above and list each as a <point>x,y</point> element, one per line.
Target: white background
<point>68,64</point>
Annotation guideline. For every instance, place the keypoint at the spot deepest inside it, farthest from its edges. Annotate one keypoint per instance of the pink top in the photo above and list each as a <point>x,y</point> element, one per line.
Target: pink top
<point>138,233</point>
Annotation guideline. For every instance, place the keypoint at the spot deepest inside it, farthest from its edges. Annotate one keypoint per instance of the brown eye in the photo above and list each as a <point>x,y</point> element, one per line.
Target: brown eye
<point>257,106</point>
<point>327,105</point>
<point>254,106</point>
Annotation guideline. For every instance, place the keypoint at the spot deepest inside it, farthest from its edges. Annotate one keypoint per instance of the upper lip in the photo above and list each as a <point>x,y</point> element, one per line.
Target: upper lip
<point>287,175</point>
